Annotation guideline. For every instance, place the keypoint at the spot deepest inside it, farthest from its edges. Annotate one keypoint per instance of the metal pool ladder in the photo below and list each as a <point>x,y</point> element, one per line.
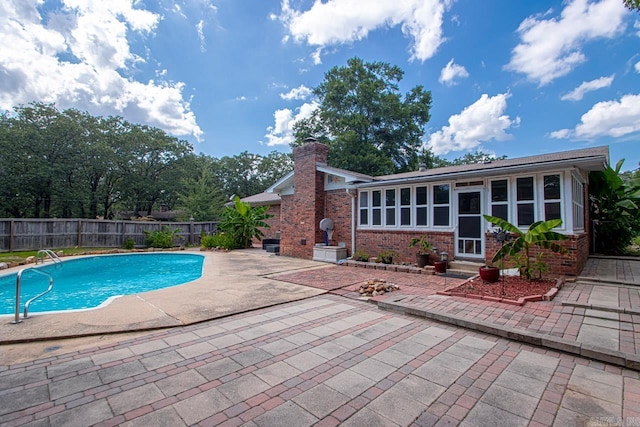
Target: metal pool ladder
<point>43,253</point>
<point>39,256</point>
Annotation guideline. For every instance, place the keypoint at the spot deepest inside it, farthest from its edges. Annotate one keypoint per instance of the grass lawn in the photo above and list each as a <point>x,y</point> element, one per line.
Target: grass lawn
<point>20,255</point>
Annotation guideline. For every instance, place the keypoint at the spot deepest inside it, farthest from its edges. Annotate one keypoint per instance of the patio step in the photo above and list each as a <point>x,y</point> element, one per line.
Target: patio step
<point>465,267</point>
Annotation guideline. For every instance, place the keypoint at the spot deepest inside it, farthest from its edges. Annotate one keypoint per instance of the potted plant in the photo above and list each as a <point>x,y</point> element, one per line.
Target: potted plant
<point>424,250</point>
<point>489,273</point>
<point>386,256</point>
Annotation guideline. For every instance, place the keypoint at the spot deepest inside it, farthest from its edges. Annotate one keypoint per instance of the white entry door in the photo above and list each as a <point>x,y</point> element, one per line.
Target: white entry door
<point>469,235</point>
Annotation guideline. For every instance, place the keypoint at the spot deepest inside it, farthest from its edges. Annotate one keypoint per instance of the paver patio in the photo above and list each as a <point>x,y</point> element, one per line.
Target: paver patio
<point>334,360</point>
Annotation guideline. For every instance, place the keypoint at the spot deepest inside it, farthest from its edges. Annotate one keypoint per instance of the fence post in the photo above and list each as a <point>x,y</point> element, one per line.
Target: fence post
<point>191,231</point>
<point>79,240</point>
<point>11,231</point>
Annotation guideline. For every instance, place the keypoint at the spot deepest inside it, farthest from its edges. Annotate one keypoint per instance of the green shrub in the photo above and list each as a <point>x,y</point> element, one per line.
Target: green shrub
<point>161,238</point>
<point>129,243</point>
<point>386,256</point>
<point>361,255</point>
<point>218,240</point>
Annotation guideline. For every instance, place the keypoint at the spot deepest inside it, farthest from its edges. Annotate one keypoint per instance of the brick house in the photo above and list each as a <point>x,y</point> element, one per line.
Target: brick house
<point>385,212</point>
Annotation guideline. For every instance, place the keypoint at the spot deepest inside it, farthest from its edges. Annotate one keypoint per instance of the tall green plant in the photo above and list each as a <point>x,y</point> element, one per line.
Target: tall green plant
<point>243,222</point>
<point>615,209</point>
<point>539,234</point>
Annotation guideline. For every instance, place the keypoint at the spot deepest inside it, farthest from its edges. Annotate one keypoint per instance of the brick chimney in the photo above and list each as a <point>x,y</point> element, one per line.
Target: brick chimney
<point>305,208</point>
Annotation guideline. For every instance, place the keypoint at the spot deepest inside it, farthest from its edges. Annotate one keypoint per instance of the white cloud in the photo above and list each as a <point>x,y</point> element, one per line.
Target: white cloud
<point>451,72</point>
<point>335,22</point>
<point>281,133</point>
<point>636,25</point>
<point>578,93</point>
<point>637,67</point>
<point>80,57</point>
<point>297,93</point>
<point>200,31</point>
<point>482,121</point>
<point>608,119</point>
<point>551,48</point>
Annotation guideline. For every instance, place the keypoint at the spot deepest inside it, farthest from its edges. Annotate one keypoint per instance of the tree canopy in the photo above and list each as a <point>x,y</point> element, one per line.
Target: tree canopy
<point>71,164</point>
<point>368,124</point>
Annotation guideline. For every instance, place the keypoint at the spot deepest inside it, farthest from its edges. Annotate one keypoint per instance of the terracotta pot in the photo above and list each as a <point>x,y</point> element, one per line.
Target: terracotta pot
<point>489,274</point>
<point>422,260</point>
<point>440,266</point>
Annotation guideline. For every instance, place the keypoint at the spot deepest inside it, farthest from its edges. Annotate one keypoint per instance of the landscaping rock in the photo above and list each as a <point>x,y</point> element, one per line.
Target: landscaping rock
<point>374,287</point>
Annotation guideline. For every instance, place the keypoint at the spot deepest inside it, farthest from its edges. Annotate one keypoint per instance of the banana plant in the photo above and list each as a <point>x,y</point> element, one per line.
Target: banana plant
<point>539,234</point>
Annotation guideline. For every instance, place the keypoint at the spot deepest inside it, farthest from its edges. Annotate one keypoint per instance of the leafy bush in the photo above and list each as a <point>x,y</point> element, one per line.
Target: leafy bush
<point>218,240</point>
<point>361,255</point>
<point>386,256</point>
<point>129,243</point>
<point>243,222</point>
<point>161,238</point>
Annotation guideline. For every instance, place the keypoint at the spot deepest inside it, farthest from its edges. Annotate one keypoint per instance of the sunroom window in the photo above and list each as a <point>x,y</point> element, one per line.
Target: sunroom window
<point>364,208</point>
<point>441,205</point>
<point>405,206</point>
<point>525,201</point>
<point>500,199</point>
<point>421,206</point>
<point>552,204</point>
<point>390,207</point>
<point>376,207</point>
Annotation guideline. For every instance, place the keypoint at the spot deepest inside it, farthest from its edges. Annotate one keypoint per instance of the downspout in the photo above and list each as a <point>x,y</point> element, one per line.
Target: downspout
<point>352,192</point>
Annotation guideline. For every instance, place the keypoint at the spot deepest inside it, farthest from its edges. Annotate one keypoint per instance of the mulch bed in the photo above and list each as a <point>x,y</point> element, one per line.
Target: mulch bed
<point>509,289</point>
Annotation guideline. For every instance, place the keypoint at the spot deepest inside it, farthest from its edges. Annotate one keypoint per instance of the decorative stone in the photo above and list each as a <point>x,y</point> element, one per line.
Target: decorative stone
<point>3,265</point>
<point>375,287</point>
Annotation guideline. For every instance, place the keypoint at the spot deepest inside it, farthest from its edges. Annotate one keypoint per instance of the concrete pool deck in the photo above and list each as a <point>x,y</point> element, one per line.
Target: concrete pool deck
<point>231,283</point>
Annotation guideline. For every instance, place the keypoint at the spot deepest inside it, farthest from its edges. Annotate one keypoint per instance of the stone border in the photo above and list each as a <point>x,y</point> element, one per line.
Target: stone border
<point>520,301</point>
<point>614,357</point>
<point>389,267</point>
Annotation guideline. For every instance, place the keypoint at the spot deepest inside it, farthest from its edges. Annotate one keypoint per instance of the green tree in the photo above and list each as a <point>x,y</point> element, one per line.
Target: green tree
<point>200,197</point>
<point>614,207</point>
<point>539,234</point>
<point>475,158</point>
<point>243,222</point>
<point>246,174</point>
<point>632,5</point>
<point>368,124</point>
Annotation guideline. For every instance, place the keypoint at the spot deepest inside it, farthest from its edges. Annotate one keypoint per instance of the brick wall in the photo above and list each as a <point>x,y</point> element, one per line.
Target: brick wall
<point>303,211</point>
<point>375,241</point>
<point>274,224</point>
<point>338,208</point>
<point>570,263</point>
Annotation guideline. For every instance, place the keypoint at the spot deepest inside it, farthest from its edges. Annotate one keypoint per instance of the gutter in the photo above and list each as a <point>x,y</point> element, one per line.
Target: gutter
<point>481,172</point>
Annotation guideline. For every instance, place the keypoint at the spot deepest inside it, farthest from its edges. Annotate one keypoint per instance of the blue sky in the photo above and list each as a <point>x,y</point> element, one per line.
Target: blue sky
<point>507,77</point>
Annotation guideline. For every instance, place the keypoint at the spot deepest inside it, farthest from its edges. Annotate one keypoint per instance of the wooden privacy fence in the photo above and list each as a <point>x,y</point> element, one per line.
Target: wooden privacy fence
<point>18,234</point>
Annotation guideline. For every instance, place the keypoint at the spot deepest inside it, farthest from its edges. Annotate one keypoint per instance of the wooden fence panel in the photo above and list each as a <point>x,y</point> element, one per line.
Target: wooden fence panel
<point>17,234</point>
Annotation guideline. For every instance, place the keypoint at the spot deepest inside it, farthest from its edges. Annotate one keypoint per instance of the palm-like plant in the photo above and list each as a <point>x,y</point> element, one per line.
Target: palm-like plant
<point>539,234</point>
<point>243,222</point>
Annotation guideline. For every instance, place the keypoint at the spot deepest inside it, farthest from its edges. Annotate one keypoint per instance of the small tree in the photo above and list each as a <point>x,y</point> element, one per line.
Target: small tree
<point>539,234</point>
<point>243,222</point>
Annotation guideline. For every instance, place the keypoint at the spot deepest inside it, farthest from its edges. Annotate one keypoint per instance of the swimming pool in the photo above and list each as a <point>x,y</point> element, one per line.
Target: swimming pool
<point>88,282</point>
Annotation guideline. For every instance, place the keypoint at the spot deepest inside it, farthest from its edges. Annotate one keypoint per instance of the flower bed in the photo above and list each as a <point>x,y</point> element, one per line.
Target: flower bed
<point>514,290</point>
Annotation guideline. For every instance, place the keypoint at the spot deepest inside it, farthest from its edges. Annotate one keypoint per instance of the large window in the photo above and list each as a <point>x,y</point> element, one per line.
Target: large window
<point>376,207</point>
<point>500,199</point>
<point>441,203</point>
<point>421,206</point>
<point>525,207</point>
<point>364,208</point>
<point>390,207</point>
<point>577,203</point>
<point>405,206</point>
<point>551,194</point>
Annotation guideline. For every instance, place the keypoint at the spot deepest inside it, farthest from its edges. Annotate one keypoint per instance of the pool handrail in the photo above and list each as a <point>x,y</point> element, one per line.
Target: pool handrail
<point>40,255</point>
<point>26,306</point>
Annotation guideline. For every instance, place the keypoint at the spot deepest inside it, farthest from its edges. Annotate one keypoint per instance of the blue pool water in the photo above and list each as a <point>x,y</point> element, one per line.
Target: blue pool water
<point>88,282</point>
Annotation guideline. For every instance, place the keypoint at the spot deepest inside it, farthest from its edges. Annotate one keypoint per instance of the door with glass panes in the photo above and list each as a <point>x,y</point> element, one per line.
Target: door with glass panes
<point>469,235</point>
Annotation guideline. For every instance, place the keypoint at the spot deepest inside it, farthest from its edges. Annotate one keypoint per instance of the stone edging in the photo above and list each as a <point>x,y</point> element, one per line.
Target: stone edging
<point>520,301</point>
<point>389,267</point>
<point>627,360</point>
